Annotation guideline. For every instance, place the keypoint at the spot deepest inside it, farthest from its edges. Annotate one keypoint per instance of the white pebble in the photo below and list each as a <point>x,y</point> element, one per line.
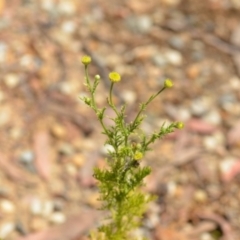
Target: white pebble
<point>11,80</point>
<point>47,208</point>
<point>36,207</point>
<point>68,27</point>
<point>7,206</point>
<point>174,57</point>
<point>129,96</point>
<point>57,218</point>
<point>213,117</point>
<point>6,229</point>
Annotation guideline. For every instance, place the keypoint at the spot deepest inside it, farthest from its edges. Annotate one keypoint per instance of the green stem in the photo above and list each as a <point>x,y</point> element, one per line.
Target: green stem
<point>117,113</point>
<point>91,90</point>
<point>145,105</point>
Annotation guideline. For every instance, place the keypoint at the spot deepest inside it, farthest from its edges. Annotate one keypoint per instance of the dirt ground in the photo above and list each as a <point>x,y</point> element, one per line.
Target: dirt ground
<point>50,141</point>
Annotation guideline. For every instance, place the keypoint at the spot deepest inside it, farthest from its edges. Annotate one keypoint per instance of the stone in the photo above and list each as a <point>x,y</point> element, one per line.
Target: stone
<point>139,24</point>
<point>200,196</point>
<point>174,57</point>
<point>176,42</point>
<point>200,106</point>
<point>58,130</point>
<point>7,206</point>
<point>47,208</point>
<point>66,8</point>
<point>36,206</point>
<point>129,96</point>
<point>71,169</point>
<point>26,157</point>
<point>11,80</point>
<point>57,218</point>
<point>6,229</point>
<point>68,27</point>
<point>66,149</point>
<point>213,117</point>
<point>78,160</point>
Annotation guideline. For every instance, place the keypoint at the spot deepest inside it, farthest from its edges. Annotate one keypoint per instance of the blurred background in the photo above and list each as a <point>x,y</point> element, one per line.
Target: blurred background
<point>50,141</point>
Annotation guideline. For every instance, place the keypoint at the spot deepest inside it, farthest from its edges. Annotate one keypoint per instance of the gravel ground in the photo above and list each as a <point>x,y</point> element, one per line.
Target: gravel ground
<point>50,141</point>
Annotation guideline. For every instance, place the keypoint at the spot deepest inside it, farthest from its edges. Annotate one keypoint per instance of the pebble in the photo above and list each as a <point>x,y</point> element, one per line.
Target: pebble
<point>214,141</point>
<point>47,5</point>
<point>152,220</point>
<point>47,208</point>
<point>36,206</point>
<point>69,27</point>
<point>7,206</point>
<point>206,236</point>
<point>67,88</point>
<point>139,24</point>
<point>213,117</point>
<point>6,229</point>
<point>15,133</point>
<point>71,170</point>
<point>176,42</point>
<point>174,57</point>
<point>200,106</point>
<point>193,71</point>
<point>58,130</point>
<point>78,160</point>
<point>129,96</point>
<point>159,60</point>
<point>66,149</point>
<point>227,101</point>
<point>171,188</point>
<point>11,80</point>
<point>200,196</point>
<point>234,82</point>
<point>66,7</point>
<point>226,168</point>
<point>57,218</point>
<point>27,157</point>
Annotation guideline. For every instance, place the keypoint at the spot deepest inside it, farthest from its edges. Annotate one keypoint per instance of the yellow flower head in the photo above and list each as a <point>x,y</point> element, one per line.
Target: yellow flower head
<point>179,125</point>
<point>168,83</point>
<point>114,77</point>
<point>138,156</point>
<point>86,60</point>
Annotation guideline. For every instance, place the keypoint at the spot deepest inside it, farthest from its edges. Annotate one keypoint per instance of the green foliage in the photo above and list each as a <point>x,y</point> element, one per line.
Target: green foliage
<point>120,183</point>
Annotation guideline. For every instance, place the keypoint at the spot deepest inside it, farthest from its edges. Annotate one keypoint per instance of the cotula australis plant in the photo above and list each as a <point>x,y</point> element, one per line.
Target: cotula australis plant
<point>120,182</point>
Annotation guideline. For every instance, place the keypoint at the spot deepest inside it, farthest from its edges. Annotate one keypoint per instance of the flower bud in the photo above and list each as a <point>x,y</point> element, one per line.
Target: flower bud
<point>168,83</point>
<point>97,77</point>
<point>138,156</point>
<point>114,77</point>
<point>179,125</point>
<point>86,60</point>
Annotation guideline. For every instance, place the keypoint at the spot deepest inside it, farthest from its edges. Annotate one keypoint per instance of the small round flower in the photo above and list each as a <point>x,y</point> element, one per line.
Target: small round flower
<point>138,156</point>
<point>179,125</point>
<point>168,83</point>
<point>86,60</point>
<point>114,77</point>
